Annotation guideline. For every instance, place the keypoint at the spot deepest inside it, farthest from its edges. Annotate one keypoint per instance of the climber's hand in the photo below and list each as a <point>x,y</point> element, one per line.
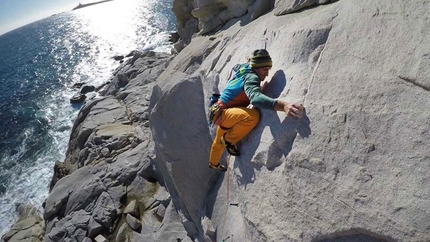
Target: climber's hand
<point>294,110</point>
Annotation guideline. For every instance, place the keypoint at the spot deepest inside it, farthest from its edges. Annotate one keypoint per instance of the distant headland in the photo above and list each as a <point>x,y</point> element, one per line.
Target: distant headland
<point>89,4</point>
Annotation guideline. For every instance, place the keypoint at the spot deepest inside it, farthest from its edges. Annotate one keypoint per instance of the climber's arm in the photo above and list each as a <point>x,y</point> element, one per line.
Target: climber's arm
<point>258,99</point>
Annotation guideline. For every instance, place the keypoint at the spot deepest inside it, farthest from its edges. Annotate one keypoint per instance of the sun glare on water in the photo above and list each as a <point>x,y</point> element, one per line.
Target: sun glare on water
<point>117,28</point>
<point>117,20</point>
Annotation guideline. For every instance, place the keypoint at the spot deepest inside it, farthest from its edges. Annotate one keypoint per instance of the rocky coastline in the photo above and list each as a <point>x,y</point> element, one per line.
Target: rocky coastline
<point>353,169</point>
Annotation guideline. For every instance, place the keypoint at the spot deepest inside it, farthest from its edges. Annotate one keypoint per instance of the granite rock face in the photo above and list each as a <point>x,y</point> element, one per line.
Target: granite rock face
<point>354,168</point>
<point>206,16</point>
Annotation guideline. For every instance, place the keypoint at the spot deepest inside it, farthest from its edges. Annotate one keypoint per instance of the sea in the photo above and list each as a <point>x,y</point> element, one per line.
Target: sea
<point>40,63</point>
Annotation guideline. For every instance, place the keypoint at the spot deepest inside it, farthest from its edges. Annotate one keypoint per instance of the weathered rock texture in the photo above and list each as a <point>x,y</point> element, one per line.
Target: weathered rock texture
<point>110,191</point>
<point>355,168</point>
<point>287,6</point>
<point>205,16</point>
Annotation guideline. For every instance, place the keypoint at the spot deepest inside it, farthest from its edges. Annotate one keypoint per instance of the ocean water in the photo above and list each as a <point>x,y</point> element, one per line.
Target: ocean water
<point>39,63</point>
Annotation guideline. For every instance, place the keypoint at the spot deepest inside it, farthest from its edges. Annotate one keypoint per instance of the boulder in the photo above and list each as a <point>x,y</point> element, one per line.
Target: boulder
<point>133,222</point>
<point>174,37</point>
<point>77,98</point>
<point>118,57</point>
<point>94,228</point>
<point>78,84</point>
<point>26,210</point>
<point>132,209</point>
<point>105,211</point>
<point>60,170</point>
<point>87,88</point>
<point>29,229</point>
<point>187,25</point>
<point>133,53</point>
<point>29,226</point>
<point>100,238</point>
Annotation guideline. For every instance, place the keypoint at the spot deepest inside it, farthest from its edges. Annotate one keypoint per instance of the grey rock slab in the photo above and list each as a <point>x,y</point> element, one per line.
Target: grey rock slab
<point>160,211</point>
<point>140,70</point>
<point>103,111</point>
<point>177,156</point>
<point>150,223</point>
<point>173,228</point>
<point>105,152</point>
<point>125,169</point>
<point>169,229</point>
<point>74,191</point>
<point>117,194</point>
<point>105,211</point>
<point>100,238</point>
<point>26,210</point>
<point>289,6</point>
<point>132,208</point>
<point>94,228</point>
<point>79,234</point>
<point>84,197</point>
<point>133,222</point>
<point>72,226</point>
<point>29,229</point>
<point>124,232</point>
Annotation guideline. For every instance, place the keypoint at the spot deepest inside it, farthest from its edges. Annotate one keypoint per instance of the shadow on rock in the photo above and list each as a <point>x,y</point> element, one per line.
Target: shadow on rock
<point>283,133</point>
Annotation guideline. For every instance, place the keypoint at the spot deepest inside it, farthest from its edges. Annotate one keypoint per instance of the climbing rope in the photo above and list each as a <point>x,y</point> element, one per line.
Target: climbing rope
<point>227,198</point>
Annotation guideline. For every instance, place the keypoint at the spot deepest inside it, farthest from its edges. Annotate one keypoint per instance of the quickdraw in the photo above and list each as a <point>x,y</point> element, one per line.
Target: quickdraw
<point>215,112</point>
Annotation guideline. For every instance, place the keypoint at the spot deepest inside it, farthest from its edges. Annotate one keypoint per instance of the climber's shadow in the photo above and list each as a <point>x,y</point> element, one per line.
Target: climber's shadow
<point>283,133</point>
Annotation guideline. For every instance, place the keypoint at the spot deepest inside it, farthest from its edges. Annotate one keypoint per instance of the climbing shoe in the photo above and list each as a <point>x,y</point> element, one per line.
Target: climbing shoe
<point>231,149</point>
<point>217,167</point>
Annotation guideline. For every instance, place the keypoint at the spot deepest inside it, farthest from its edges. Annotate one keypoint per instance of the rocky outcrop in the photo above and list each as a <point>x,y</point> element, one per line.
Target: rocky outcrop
<point>29,227</point>
<point>205,16</point>
<point>352,169</point>
<point>110,191</point>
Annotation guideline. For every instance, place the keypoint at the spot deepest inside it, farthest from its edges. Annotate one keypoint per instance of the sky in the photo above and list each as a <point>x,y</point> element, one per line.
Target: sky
<point>16,13</point>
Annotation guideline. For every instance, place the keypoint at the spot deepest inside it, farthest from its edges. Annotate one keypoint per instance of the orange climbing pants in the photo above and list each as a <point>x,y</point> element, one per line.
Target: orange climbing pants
<point>236,123</point>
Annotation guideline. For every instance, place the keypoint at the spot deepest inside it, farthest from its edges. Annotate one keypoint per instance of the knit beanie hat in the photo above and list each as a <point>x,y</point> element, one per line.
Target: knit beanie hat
<point>260,58</point>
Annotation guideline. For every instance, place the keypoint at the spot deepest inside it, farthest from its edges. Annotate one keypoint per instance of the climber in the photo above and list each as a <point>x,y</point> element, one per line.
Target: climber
<point>230,113</point>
